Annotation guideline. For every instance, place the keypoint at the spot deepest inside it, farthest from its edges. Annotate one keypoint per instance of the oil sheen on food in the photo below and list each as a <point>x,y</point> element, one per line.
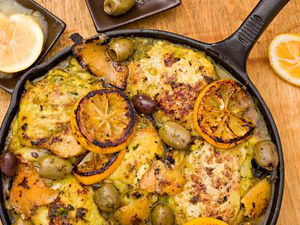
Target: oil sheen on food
<point>184,179</point>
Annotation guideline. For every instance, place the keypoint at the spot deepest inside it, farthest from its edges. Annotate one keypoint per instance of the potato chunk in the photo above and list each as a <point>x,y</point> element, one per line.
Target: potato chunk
<point>92,56</point>
<point>136,212</point>
<point>29,191</point>
<point>257,199</point>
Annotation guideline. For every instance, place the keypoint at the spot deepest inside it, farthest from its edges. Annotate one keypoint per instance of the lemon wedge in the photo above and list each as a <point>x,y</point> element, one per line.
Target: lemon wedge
<point>284,55</point>
<point>21,42</point>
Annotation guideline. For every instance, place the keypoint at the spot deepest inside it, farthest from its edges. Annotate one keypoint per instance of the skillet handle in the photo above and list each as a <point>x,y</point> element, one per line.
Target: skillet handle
<point>236,48</point>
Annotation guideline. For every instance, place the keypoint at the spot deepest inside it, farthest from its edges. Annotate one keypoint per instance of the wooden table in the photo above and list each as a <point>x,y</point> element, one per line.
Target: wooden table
<point>211,21</point>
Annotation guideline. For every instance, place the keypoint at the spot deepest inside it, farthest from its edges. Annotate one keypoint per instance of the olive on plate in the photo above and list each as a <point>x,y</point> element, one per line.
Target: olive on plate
<point>265,155</point>
<point>144,104</point>
<point>175,135</point>
<point>118,7</point>
<point>9,164</point>
<point>53,167</point>
<point>121,49</point>
<point>162,214</point>
<point>107,198</point>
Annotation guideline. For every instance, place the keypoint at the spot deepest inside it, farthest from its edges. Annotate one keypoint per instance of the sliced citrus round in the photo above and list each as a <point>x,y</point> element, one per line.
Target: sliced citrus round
<point>284,56</point>
<point>95,167</point>
<point>220,114</point>
<point>205,221</point>
<point>103,121</point>
<point>21,42</point>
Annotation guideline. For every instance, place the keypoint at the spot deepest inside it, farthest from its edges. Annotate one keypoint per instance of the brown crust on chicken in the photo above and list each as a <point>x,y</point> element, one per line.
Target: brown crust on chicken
<point>173,76</point>
<point>44,114</point>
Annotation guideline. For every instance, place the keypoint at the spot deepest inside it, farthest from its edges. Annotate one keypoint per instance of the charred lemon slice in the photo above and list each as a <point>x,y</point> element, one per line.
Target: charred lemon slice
<point>95,167</point>
<point>205,221</point>
<point>220,114</point>
<point>103,121</point>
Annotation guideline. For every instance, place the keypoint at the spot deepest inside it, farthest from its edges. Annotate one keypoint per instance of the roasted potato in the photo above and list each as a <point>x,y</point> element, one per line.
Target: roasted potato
<point>257,199</point>
<point>93,56</point>
<point>29,191</point>
<point>137,212</point>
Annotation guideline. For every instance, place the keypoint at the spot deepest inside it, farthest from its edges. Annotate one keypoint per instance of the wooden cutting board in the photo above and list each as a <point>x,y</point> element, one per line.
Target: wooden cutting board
<point>211,21</point>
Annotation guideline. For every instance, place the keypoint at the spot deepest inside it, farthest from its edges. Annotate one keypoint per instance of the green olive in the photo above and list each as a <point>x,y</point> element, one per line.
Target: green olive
<point>265,155</point>
<point>118,7</point>
<point>107,198</point>
<point>121,49</point>
<point>175,135</point>
<point>53,167</point>
<point>162,214</point>
<point>20,221</point>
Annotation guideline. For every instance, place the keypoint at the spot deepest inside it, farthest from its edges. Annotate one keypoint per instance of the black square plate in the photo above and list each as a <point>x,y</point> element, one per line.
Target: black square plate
<point>142,9</point>
<point>55,28</point>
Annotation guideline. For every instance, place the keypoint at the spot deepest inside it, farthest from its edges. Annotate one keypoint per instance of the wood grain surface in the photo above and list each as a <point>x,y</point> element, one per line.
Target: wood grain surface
<point>211,21</point>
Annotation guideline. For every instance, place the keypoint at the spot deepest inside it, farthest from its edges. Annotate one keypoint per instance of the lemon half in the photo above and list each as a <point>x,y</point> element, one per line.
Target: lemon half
<point>21,42</point>
<point>284,55</point>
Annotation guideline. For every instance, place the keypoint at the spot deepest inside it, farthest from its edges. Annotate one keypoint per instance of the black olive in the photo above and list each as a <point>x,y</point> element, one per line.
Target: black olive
<point>144,104</point>
<point>9,164</point>
<point>258,171</point>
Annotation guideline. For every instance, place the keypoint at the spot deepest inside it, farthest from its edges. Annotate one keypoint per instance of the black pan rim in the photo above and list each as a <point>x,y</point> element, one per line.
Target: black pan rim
<point>38,71</point>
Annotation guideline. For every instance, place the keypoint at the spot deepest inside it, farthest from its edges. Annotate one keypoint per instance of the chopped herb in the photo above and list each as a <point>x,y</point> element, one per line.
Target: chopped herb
<point>80,213</point>
<point>135,147</point>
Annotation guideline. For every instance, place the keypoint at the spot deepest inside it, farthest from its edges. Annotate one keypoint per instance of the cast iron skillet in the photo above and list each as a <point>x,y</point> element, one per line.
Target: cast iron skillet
<point>231,53</point>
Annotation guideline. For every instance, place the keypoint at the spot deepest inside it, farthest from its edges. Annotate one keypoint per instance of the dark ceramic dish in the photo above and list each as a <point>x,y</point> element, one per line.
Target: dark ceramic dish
<point>142,9</point>
<point>55,28</point>
<point>231,53</point>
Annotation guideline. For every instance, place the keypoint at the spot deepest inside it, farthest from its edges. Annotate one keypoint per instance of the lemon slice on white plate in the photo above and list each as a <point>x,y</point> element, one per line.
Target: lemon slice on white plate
<point>284,55</point>
<point>21,42</point>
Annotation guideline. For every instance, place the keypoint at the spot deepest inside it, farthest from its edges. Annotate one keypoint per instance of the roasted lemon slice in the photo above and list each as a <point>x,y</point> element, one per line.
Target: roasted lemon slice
<point>220,114</point>
<point>205,221</point>
<point>95,167</point>
<point>103,121</point>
